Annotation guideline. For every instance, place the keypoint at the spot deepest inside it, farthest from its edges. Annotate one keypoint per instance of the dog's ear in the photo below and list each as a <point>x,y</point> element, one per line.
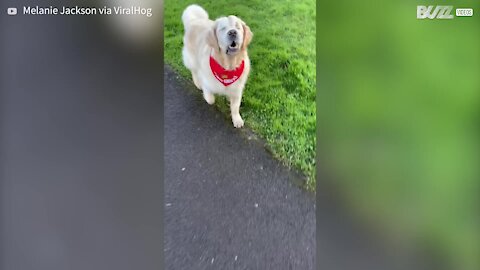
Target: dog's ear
<point>212,37</point>
<point>247,35</point>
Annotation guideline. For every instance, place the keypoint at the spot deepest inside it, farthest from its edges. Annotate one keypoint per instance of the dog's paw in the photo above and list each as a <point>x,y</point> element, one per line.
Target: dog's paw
<point>209,97</point>
<point>237,121</point>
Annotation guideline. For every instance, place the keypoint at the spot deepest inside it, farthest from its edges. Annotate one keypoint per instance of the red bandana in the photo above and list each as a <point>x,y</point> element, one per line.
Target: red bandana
<point>226,77</point>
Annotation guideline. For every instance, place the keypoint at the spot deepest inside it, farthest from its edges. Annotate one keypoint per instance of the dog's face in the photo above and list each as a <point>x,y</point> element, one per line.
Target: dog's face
<point>230,35</point>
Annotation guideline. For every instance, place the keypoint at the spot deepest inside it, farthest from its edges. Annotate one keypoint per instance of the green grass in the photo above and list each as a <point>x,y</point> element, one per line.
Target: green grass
<point>279,98</point>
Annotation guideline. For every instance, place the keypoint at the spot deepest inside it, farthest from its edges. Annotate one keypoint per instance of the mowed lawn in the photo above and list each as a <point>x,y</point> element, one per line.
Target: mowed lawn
<point>279,98</point>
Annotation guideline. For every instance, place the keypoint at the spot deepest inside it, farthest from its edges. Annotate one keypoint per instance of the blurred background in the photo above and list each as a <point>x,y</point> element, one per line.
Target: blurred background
<point>398,113</point>
<point>81,139</point>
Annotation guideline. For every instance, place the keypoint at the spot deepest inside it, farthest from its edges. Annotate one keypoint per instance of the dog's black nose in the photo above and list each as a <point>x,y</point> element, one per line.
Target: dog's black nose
<point>232,34</point>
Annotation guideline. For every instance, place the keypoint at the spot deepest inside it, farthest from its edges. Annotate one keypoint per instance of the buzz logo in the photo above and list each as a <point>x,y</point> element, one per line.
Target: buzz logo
<point>434,12</point>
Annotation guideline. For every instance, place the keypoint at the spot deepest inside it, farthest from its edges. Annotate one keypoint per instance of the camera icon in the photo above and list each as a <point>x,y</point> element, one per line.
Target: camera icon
<point>12,11</point>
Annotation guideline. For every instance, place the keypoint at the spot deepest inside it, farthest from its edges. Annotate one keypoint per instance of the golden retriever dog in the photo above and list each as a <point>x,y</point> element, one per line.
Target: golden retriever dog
<point>216,54</point>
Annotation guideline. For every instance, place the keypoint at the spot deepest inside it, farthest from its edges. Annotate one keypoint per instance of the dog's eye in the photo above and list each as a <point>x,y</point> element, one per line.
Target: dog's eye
<point>223,28</point>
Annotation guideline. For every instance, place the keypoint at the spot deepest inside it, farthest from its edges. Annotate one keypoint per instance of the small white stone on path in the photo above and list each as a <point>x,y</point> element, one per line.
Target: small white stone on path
<point>236,257</point>
<point>183,169</point>
<point>168,204</point>
<point>213,259</point>
<point>256,205</point>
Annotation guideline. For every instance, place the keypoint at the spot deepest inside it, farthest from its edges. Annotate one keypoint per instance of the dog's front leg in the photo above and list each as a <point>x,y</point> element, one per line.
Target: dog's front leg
<point>235,110</point>
<point>195,80</point>
<point>209,97</point>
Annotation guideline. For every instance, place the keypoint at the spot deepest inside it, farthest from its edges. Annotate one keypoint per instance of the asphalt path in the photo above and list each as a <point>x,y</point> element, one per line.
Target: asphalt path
<point>228,203</point>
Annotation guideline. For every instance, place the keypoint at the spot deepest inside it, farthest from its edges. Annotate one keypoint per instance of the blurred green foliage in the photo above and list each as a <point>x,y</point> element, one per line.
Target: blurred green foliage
<point>398,108</point>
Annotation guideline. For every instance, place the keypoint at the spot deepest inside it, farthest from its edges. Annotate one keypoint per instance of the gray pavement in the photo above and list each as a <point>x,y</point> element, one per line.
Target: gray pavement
<point>228,203</point>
